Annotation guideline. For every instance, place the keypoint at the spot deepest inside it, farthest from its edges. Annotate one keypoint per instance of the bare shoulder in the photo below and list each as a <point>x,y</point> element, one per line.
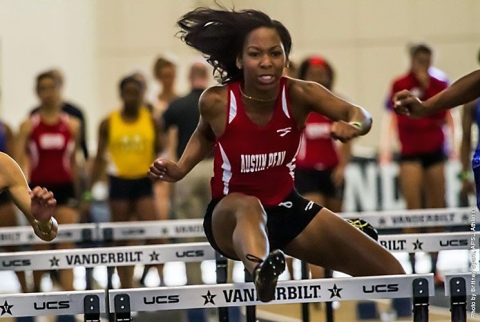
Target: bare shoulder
<point>213,100</point>
<point>303,90</point>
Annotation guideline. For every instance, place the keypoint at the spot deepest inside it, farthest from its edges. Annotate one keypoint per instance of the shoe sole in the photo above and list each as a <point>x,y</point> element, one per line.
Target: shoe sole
<point>271,268</point>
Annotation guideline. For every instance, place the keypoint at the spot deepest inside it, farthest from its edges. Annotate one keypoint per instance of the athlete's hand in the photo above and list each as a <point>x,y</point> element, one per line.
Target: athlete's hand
<point>405,103</point>
<point>43,207</point>
<point>42,204</point>
<point>165,170</point>
<point>344,131</point>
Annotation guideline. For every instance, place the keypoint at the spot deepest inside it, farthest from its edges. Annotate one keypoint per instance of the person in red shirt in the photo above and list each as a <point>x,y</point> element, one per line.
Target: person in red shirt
<point>253,122</point>
<point>47,145</point>
<point>423,148</point>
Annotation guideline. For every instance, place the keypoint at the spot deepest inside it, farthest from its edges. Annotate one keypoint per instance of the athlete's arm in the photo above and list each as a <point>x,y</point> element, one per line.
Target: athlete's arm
<point>464,90</point>
<point>37,205</point>
<point>352,120</point>
<point>198,147</point>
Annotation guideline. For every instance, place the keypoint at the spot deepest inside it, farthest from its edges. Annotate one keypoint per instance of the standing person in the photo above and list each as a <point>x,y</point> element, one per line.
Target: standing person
<point>129,138</point>
<point>192,195</point>
<point>422,143</point>
<point>253,121</point>
<point>72,110</point>
<point>49,139</point>
<point>464,90</point>
<point>165,72</point>
<point>321,162</point>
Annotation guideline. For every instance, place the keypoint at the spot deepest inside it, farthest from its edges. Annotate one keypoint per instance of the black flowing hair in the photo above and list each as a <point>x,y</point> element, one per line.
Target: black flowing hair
<point>220,36</point>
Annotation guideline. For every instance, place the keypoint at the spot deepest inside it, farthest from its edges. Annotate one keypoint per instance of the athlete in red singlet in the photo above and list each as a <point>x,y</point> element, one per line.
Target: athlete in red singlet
<point>253,122</point>
<point>423,148</point>
<point>47,144</point>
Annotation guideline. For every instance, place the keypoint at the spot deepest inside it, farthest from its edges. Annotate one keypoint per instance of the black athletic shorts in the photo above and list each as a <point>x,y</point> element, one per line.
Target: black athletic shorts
<point>284,222</point>
<point>319,181</point>
<point>129,189</point>
<point>64,193</point>
<point>426,159</point>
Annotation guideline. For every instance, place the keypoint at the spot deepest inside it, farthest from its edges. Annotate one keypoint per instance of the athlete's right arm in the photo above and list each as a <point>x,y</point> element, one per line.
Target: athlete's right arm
<point>198,147</point>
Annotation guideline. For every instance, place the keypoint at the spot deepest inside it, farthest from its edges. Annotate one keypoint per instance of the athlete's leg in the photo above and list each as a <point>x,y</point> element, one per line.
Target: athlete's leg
<point>435,198</point>
<point>145,209</point>
<point>121,211</point>
<point>331,242</point>
<point>239,229</point>
<point>66,215</point>
<point>411,184</point>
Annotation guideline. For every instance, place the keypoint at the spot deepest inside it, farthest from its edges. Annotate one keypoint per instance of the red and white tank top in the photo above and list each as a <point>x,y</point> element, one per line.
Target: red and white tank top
<point>256,160</point>
<point>317,149</point>
<point>50,148</point>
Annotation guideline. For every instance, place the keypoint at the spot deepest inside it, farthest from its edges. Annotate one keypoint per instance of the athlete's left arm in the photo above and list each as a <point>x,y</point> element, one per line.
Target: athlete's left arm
<point>313,97</point>
<point>38,205</point>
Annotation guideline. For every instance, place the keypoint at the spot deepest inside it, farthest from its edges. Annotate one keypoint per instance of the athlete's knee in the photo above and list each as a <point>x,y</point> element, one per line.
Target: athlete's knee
<point>250,208</point>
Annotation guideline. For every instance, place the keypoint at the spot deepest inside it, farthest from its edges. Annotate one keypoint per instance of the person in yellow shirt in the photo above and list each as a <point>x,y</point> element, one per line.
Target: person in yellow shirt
<point>127,145</point>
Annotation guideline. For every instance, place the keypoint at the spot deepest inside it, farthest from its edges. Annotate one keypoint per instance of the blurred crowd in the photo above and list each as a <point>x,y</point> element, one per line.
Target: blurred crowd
<point>51,147</point>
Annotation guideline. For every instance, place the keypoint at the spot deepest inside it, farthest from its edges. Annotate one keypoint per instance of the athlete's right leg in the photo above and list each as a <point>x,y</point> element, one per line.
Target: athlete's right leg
<point>411,184</point>
<point>120,210</point>
<point>239,229</point>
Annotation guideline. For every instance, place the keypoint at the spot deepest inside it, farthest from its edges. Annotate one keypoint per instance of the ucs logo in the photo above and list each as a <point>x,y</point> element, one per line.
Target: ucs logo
<point>51,305</point>
<point>454,243</point>
<point>190,253</point>
<point>161,299</point>
<point>16,263</point>
<point>380,288</point>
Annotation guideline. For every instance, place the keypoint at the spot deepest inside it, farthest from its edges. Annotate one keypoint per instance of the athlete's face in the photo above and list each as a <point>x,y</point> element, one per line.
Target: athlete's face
<point>263,60</point>
<point>48,91</point>
<point>319,74</point>
<point>132,95</point>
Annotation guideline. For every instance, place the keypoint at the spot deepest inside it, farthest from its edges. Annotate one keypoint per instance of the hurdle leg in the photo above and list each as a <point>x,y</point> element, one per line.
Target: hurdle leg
<point>305,306</point>
<point>250,309</point>
<point>420,300</point>
<point>458,299</point>
<point>221,271</point>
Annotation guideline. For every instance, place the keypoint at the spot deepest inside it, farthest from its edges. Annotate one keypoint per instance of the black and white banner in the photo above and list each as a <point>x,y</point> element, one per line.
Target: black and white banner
<point>300,291</point>
<point>432,242</point>
<point>24,235</point>
<point>54,303</point>
<point>106,256</point>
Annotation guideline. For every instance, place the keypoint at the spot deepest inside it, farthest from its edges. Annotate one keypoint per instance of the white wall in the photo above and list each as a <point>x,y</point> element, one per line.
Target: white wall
<point>97,42</point>
<point>37,35</point>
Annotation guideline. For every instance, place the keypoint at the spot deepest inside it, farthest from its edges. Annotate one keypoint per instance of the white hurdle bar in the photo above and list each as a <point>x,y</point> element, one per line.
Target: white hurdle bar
<point>125,301</point>
<point>244,294</point>
<point>190,252</point>
<point>194,227</point>
<point>90,303</point>
<point>106,256</point>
